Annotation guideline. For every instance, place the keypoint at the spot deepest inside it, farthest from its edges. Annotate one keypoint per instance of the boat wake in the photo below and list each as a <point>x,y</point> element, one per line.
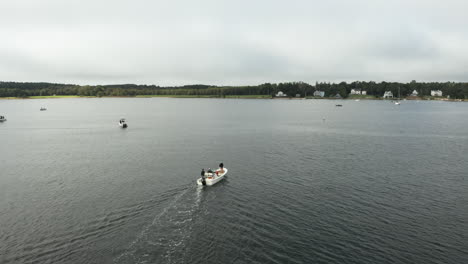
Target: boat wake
<point>164,239</point>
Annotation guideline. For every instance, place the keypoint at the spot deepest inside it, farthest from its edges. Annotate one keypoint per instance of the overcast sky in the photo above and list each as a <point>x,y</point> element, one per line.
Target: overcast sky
<point>232,42</point>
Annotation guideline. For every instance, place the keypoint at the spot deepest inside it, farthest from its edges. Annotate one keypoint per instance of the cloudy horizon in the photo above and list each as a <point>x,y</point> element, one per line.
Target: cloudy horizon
<point>232,42</point>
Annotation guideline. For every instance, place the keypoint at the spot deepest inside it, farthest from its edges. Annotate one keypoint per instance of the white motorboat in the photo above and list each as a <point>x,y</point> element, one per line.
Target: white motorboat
<point>2,119</point>
<point>212,178</point>
<point>122,123</point>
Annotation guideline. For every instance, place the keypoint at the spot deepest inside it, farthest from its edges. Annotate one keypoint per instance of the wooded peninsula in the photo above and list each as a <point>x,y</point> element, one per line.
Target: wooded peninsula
<point>357,89</point>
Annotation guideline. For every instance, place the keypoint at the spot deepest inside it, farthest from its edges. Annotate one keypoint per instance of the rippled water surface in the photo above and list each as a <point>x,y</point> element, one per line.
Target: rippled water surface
<point>308,182</point>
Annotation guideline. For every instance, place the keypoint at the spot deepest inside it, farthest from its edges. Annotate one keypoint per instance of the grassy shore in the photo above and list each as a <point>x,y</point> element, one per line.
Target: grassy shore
<point>48,97</point>
<point>55,96</point>
<point>249,96</point>
<point>357,96</point>
<point>208,96</point>
<point>176,96</point>
<point>145,96</point>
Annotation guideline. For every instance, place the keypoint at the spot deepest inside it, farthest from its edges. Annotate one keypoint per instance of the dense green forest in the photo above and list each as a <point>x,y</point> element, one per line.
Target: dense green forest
<point>19,89</point>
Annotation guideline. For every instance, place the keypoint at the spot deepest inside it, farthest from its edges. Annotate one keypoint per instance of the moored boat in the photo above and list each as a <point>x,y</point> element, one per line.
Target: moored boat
<point>212,177</point>
<point>2,119</point>
<point>123,123</point>
<point>397,102</point>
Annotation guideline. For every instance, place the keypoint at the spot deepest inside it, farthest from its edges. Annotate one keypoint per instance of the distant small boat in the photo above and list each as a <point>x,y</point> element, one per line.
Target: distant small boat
<point>339,105</point>
<point>2,119</point>
<point>43,108</point>
<point>210,178</point>
<point>398,101</point>
<point>122,123</point>
<point>357,100</point>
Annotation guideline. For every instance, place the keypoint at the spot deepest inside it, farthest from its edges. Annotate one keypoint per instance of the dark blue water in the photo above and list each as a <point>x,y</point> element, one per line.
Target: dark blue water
<point>308,182</point>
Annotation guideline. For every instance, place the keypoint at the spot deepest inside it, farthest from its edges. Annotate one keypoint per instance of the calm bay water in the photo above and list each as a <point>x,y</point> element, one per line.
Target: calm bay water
<point>308,182</point>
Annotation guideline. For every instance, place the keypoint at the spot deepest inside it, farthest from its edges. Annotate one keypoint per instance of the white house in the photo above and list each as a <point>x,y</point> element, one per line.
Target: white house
<point>388,94</point>
<point>414,93</point>
<point>281,94</point>
<point>436,93</point>
<point>319,93</point>
<point>353,91</point>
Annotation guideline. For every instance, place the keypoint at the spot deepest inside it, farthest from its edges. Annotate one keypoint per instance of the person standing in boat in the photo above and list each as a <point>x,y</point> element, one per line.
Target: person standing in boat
<point>221,169</point>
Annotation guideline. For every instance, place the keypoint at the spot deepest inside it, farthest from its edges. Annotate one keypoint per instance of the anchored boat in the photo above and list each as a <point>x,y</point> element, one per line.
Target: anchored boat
<point>212,177</point>
<point>122,123</point>
<point>398,101</point>
<point>2,119</point>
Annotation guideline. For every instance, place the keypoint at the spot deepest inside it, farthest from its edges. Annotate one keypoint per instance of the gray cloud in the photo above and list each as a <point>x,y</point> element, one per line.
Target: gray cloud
<point>232,42</point>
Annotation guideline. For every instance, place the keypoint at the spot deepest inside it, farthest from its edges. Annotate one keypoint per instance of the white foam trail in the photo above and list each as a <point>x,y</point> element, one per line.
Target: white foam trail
<point>130,249</point>
<point>180,218</point>
<point>185,230</point>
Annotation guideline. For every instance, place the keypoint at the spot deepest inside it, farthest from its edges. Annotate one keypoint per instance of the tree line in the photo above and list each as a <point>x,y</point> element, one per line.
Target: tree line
<point>456,90</point>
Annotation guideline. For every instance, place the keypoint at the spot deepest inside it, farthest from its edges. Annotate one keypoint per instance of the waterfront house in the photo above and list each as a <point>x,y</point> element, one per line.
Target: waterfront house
<point>359,92</point>
<point>319,93</point>
<point>281,94</point>
<point>388,94</point>
<point>436,93</point>
<point>414,93</point>
<point>338,96</point>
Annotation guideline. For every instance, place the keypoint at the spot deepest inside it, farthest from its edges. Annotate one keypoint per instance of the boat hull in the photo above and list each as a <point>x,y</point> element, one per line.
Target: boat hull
<point>212,178</point>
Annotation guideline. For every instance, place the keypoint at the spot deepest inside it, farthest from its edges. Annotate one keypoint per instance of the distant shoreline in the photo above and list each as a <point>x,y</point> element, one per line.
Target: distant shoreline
<point>231,97</point>
<point>285,90</point>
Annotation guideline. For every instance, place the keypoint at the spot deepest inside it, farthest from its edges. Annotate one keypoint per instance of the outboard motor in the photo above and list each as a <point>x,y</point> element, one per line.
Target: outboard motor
<point>203,177</point>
